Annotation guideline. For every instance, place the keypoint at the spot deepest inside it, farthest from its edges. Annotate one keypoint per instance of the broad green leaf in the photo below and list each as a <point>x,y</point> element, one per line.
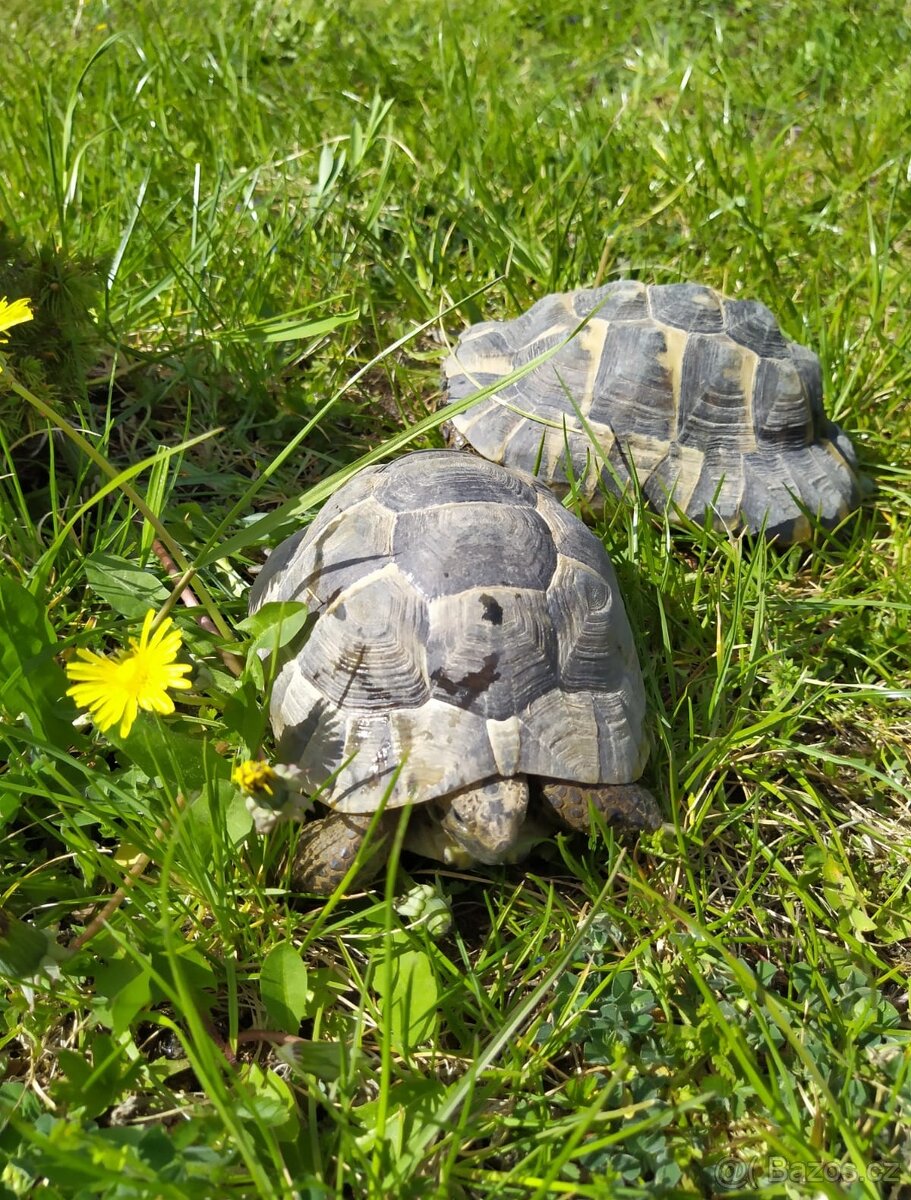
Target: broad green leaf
<point>269,1100</point>
<point>282,618</point>
<point>283,987</point>
<point>218,814</point>
<point>185,960</point>
<point>23,947</point>
<point>328,1061</point>
<point>292,331</point>
<point>274,626</point>
<point>410,1105</point>
<point>245,714</point>
<point>126,588</point>
<point>860,922</point>
<point>31,683</point>
<point>237,819</point>
<point>9,807</point>
<point>160,751</point>
<point>95,1079</point>
<point>122,991</point>
<point>410,1005</point>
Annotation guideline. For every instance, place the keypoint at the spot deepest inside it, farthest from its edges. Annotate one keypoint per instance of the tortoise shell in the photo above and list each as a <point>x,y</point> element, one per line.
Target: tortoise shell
<point>700,396</point>
<point>467,626</point>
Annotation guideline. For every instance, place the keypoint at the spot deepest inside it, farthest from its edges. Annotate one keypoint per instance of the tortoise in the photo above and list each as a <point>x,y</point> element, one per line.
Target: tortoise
<point>700,397</point>
<point>470,649</point>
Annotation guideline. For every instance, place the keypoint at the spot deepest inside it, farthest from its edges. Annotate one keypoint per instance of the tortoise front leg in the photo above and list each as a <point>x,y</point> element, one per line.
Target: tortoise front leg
<point>626,805</point>
<point>327,847</point>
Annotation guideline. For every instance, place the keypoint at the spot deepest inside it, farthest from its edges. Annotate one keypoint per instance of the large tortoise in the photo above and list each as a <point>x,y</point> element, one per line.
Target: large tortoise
<point>470,645</point>
<point>700,396</point>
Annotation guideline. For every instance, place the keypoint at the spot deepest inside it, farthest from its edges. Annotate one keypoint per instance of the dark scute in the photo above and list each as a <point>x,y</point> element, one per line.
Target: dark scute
<point>276,564</point>
<point>341,554</point>
<point>528,326</point>
<point>712,405</point>
<point>551,389</point>
<point>617,472</point>
<point>570,456</point>
<point>333,554</point>
<point>554,388</point>
<point>431,477</point>
<point>779,484</point>
<point>492,341</point>
<point>687,306</point>
<point>836,435</point>
<point>295,563</point>
<point>448,548</point>
<point>765,496</point>
<point>593,659</point>
<point>623,300</point>
<point>495,671</point>
<point>357,488</point>
<point>365,654</point>
<point>575,540</point>
<point>719,482</point>
<point>809,369</point>
<point>525,447</point>
<point>661,485</point>
<point>461,386</point>
<point>633,388</point>
<point>753,325</point>
<point>335,577</point>
<point>782,412</point>
<point>490,433</point>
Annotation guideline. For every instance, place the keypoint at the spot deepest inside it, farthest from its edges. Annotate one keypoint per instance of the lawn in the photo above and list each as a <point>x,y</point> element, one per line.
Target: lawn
<point>248,230</point>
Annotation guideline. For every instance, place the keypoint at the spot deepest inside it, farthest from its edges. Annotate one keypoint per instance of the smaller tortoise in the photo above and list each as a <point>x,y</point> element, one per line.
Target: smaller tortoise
<point>470,650</point>
<point>699,396</point>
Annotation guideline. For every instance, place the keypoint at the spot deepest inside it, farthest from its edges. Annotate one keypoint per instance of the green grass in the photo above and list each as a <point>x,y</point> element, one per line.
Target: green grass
<point>262,224</point>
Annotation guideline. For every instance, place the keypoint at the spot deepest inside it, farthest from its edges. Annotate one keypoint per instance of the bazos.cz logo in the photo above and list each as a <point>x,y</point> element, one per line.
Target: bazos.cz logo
<point>731,1173</point>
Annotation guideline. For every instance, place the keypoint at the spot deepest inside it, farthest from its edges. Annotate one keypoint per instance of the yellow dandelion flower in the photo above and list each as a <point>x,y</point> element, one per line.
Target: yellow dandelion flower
<point>13,314</point>
<point>254,776</point>
<point>114,689</point>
